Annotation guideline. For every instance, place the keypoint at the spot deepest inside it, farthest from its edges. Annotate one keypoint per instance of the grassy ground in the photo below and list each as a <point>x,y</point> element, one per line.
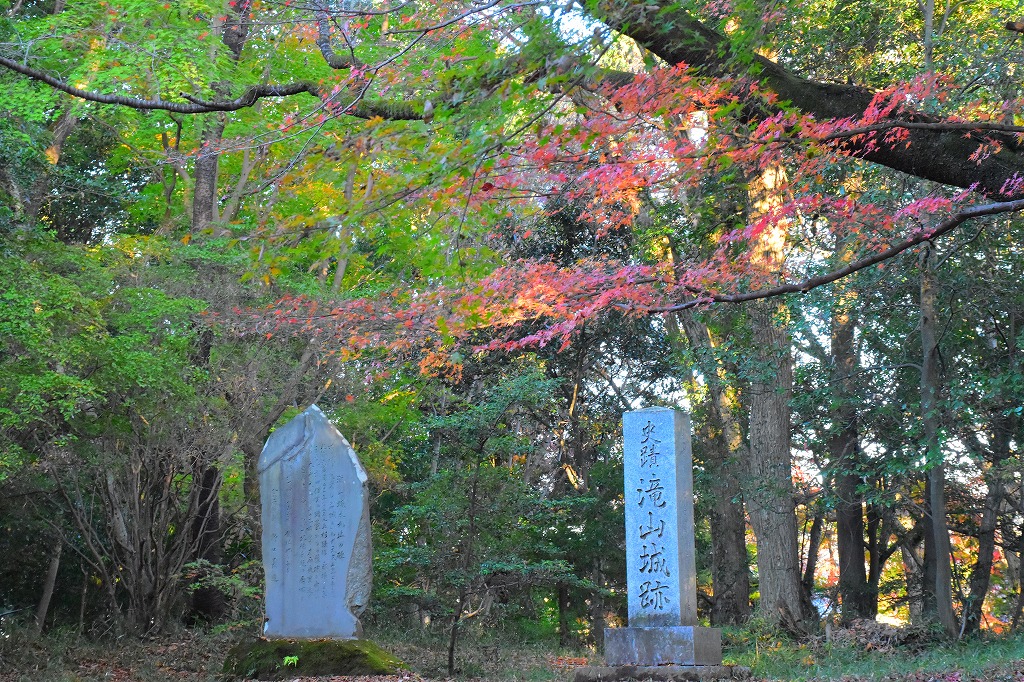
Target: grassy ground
<point>502,657</point>
<point>877,652</point>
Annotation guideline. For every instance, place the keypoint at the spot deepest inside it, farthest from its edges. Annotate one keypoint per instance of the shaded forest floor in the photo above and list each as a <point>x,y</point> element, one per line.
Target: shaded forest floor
<point>873,653</point>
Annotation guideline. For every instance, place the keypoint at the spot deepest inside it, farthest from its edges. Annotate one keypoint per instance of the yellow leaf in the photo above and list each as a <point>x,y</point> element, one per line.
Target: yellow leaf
<point>186,239</point>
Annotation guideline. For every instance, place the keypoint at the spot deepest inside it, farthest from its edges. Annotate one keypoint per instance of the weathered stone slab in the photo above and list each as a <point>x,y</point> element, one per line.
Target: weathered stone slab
<point>316,531</point>
<point>663,673</point>
<point>681,645</point>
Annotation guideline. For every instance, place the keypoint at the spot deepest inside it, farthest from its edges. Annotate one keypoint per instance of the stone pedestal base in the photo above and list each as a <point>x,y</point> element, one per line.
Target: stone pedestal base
<point>663,673</point>
<point>680,645</point>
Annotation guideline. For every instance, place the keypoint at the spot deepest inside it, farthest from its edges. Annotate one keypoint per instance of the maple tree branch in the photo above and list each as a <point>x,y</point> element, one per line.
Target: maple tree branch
<point>944,156</point>
<point>323,41</point>
<point>395,110</point>
<point>195,105</point>
<point>803,287</point>
<point>922,125</point>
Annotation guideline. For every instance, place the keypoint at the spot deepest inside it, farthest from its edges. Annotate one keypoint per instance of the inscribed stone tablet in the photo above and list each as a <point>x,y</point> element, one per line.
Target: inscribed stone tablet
<point>316,531</point>
<point>661,574</point>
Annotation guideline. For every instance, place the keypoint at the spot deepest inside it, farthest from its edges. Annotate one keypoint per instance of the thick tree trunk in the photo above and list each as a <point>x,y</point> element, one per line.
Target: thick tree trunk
<point>938,554</point>
<point>768,481</point>
<point>769,490</point>
<point>234,30</point>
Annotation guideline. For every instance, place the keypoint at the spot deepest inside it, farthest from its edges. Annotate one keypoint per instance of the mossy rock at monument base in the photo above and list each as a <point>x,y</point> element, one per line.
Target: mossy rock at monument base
<point>279,659</point>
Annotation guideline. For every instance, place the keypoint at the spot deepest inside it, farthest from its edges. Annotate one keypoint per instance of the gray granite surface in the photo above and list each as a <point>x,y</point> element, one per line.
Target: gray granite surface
<point>316,531</point>
<point>680,645</point>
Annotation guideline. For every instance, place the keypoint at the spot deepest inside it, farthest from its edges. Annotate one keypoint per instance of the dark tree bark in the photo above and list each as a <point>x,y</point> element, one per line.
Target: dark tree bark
<point>856,596</point>
<point>1002,431</point>
<point>204,192</point>
<point>913,569</point>
<point>564,636</point>
<point>208,603</point>
<point>813,544</point>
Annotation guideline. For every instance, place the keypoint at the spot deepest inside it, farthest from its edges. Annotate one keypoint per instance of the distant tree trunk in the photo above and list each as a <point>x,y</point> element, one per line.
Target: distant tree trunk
<point>813,544</point>
<point>208,602</point>
<point>564,638</point>
<point>981,572</point>
<point>915,579</point>
<point>467,563</point>
<point>48,586</point>
<point>856,596</point>
<point>597,608</point>
<point>204,189</point>
<point>730,572</point>
<point>937,546</point>
<point>878,533</point>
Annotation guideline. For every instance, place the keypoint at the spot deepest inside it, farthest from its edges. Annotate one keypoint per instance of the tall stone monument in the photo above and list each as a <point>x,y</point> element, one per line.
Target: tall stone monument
<point>661,573</point>
<point>316,531</point>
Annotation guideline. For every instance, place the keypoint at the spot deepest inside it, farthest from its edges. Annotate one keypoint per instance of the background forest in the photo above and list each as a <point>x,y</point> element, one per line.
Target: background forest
<point>477,232</point>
